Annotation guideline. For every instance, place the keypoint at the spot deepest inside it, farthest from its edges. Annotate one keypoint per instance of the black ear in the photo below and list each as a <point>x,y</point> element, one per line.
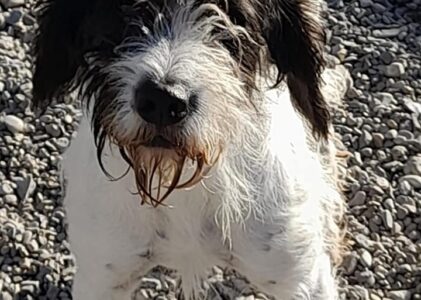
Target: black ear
<point>295,39</point>
<point>68,31</point>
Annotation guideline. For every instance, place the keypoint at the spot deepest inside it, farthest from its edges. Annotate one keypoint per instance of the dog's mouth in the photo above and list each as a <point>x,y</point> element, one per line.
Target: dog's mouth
<point>160,142</point>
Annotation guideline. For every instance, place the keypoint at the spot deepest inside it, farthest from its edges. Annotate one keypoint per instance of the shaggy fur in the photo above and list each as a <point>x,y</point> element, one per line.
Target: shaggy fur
<point>238,181</point>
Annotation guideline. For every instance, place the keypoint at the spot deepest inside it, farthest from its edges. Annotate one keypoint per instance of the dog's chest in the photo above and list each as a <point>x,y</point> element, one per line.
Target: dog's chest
<point>187,237</point>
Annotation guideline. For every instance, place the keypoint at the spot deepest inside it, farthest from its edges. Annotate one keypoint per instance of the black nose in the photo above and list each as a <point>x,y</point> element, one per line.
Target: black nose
<point>157,106</point>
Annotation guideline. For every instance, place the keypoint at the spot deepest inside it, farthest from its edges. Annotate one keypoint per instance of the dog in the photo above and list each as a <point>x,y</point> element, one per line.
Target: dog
<point>201,142</point>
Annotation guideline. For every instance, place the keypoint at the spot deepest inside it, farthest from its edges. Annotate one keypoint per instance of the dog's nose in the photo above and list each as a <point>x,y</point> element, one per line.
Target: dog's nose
<point>157,106</point>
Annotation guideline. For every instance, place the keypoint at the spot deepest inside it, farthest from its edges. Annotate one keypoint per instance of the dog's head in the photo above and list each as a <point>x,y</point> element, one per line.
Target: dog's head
<point>171,81</point>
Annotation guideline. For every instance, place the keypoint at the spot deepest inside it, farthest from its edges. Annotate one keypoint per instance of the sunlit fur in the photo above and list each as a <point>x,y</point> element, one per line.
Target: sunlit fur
<point>182,49</point>
<point>250,181</point>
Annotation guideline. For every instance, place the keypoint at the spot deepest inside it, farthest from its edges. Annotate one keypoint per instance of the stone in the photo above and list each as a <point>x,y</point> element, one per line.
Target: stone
<point>391,134</point>
<point>25,186</point>
<point>350,264</point>
<point>62,144</point>
<point>386,33</point>
<point>14,124</point>
<point>14,17</point>
<point>2,25</point>
<point>399,152</point>
<point>395,69</point>
<point>53,130</point>
<point>366,258</point>
<point>12,3</point>
<point>386,98</point>
<point>365,139</point>
<point>399,295</point>
<point>68,119</point>
<point>358,199</point>
<point>11,200</point>
<point>366,3</point>
<point>5,189</point>
<point>366,277</point>
<point>383,183</point>
<point>378,139</point>
<point>413,165</point>
<point>413,180</point>
<point>387,219</point>
<point>387,57</point>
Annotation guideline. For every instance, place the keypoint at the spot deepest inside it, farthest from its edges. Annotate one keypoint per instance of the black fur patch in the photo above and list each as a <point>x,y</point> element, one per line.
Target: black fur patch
<point>77,38</point>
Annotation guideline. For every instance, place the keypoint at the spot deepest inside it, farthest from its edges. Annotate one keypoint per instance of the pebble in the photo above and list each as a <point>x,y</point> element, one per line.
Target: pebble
<point>378,140</point>
<point>358,199</point>
<point>399,295</point>
<point>395,69</point>
<point>14,124</point>
<point>62,144</point>
<point>366,258</point>
<point>53,130</point>
<point>413,180</point>
<point>387,219</point>
<point>413,166</point>
<point>365,139</point>
<point>12,3</point>
<point>2,25</point>
<point>387,57</point>
<point>25,186</point>
<point>11,200</point>
<point>399,152</point>
<point>350,264</point>
<point>386,33</point>
<point>5,189</point>
<point>14,17</point>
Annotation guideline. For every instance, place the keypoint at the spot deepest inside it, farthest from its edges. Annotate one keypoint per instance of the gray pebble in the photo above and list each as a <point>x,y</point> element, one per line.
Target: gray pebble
<point>2,25</point>
<point>366,3</point>
<point>413,180</point>
<point>395,69</point>
<point>11,200</point>
<point>399,152</point>
<point>68,119</point>
<point>387,57</point>
<point>366,258</point>
<point>413,165</point>
<point>386,33</point>
<point>378,139</point>
<point>399,295</point>
<point>405,188</point>
<point>14,124</point>
<point>53,130</point>
<point>387,219</point>
<point>349,264</point>
<point>358,199</point>
<point>365,139</point>
<point>62,144</point>
<point>14,17</point>
<point>6,296</point>
<point>5,188</point>
<point>25,186</point>
<point>12,3</point>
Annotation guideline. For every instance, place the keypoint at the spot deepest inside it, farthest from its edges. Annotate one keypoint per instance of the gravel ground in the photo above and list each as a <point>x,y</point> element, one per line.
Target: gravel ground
<point>378,41</point>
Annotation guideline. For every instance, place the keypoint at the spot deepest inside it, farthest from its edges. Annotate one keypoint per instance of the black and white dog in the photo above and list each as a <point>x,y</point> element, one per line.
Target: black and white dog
<point>214,112</point>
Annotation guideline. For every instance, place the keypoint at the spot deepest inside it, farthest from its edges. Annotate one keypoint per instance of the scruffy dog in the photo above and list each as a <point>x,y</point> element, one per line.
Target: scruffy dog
<point>210,113</point>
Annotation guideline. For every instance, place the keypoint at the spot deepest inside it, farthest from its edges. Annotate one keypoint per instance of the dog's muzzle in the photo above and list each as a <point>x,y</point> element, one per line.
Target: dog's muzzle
<point>162,106</point>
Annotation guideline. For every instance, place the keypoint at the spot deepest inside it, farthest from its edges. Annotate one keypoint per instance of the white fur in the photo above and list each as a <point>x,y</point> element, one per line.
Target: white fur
<point>267,208</point>
<point>274,228</point>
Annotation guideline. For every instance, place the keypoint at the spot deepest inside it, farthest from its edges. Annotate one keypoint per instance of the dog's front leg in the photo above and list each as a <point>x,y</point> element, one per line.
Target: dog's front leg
<point>110,233</point>
<point>286,267</point>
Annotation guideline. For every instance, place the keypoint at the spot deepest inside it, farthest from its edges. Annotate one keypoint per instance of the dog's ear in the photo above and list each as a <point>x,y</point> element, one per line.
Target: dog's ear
<point>68,31</point>
<point>295,39</point>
